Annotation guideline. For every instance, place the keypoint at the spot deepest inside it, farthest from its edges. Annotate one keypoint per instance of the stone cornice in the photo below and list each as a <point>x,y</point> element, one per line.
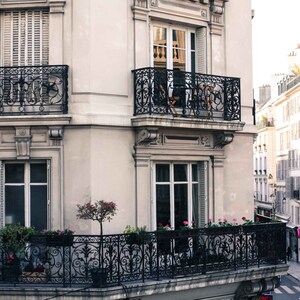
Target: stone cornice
<point>38,120</point>
<point>183,123</point>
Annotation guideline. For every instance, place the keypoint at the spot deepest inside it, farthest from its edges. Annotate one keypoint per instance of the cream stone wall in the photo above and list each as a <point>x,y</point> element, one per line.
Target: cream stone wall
<point>99,166</point>
<point>238,178</point>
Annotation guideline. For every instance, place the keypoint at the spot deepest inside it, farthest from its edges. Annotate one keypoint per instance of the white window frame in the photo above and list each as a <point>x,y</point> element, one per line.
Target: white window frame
<point>27,184</point>
<point>188,49</point>
<point>172,183</point>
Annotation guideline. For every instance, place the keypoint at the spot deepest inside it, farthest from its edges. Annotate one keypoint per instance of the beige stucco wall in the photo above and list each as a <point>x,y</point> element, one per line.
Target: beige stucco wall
<point>99,166</point>
<point>238,178</point>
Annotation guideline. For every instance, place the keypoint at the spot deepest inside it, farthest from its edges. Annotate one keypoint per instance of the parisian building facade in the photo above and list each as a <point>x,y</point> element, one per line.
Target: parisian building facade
<point>147,103</point>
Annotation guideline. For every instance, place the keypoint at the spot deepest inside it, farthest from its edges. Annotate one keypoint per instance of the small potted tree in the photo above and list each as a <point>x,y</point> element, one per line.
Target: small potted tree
<point>100,211</point>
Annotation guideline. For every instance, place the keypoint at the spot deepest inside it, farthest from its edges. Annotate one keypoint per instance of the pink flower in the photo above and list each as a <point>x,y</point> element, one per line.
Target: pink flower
<point>225,220</point>
<point>234,219</point>
<point>209,220</point>
<point>167,225</point>
<point>185,223</point>
<point>244,218</point>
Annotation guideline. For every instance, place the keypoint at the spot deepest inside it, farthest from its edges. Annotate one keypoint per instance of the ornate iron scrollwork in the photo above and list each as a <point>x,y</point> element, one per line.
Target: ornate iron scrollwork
<point>34,90</point>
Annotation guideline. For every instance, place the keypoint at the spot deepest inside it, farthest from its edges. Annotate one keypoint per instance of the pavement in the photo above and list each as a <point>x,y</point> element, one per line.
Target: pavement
<point>294,269</point>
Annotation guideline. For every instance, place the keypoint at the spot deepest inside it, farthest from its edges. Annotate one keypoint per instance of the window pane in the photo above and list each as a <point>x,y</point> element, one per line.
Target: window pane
<point>192,41</point>
<point>193,62</point>
<point>179,50</point>
<point>14,173</point>
<point>181,207</point>
<point>38,203</point>
<point>162,173</point>
<point>163,204</point>
<point>160,47</point>
<point>180,172</point>
<point>194,172</point>
<point>14,205</point>
<point>179,59</point>
<point>38,173</point>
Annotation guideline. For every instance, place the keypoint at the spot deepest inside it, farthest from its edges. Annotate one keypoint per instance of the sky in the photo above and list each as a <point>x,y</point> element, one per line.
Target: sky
<point>275,33</point>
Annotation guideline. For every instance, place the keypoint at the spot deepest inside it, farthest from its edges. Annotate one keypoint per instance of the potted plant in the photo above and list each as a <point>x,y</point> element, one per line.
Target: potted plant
<point>13,240</point>
<point>163,238</point>
<point>59,238</point>
<point>136,235</point>
<point>100,211</point>
<point>184,234</point>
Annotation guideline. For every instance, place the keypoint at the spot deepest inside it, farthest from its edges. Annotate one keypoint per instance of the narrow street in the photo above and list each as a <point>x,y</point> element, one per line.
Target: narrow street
<point>289,289</point>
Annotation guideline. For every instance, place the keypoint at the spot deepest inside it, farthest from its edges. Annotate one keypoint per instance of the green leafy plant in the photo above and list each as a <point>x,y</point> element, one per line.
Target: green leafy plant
<point>161,227</point>
<point>187,226</point>
<point>225,223</point>
<point>14,238</point>
<point>58,232</point>
<point>137,235</point>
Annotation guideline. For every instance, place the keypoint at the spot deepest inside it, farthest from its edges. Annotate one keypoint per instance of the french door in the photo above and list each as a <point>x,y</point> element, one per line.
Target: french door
<point>180,194</point>
<point>26,193</point>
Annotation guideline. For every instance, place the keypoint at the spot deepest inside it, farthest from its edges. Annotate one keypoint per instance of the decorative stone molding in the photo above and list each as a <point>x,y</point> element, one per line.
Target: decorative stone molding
<point>205,141</point>
<point>147,136</point>
<point>154,3</point>
<point>222,139</point>
<point>140,10</point>
<point>55,133</point>
<point>141,3</point>
<point>23,140</point>
<point>217,11</point>
<point>57,6</point>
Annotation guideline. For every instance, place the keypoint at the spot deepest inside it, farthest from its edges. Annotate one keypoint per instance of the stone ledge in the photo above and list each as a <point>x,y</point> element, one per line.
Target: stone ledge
<point>214,285</point>
<point>31,120</point>
<point>190,123</point>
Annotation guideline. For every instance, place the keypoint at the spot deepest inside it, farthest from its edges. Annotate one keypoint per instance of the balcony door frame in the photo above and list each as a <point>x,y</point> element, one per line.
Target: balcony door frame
<point>27,183</point>
<point>202,196</point>
<point>188,32</point>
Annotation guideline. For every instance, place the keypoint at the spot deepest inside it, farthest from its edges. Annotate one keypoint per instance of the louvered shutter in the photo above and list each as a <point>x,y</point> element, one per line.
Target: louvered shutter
<point>25,37</point>
<point>202,192</point>
<point>201,52</point>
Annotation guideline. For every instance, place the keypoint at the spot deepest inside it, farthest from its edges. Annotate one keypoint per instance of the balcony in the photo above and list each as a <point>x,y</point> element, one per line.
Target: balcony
<point>185,94</point>
<point>31,90</point>
<point>153,257</point>
<point>265,122</point>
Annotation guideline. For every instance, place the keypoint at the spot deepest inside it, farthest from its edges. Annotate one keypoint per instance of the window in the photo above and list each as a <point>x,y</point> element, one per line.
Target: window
<point>26,194</point>
<point>180,192</point>
<point>25,37</point>
<point>174,48</point>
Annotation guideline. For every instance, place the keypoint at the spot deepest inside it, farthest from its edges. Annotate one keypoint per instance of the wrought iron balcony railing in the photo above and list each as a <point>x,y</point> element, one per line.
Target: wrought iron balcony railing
<point>34,90</point>
<point>151,256</point>
<point>186,94</point>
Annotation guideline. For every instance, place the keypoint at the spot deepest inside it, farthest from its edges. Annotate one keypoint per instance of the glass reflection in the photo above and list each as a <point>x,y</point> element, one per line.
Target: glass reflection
<point>160,47</point>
